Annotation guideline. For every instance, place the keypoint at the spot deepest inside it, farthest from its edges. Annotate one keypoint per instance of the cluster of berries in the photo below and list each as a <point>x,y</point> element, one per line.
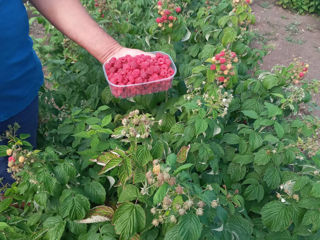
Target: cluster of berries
<point>177,201</point>
<point>298,71</point>
<point>129,76</point>
<point>135,125</point>
<point>167,13</point>
<point>235,2</point>
<point>222,65</point>
<point>102,6</point>
<point>16,160</point>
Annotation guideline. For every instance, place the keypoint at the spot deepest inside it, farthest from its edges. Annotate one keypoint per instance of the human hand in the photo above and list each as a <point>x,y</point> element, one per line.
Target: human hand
<point>128,51</point>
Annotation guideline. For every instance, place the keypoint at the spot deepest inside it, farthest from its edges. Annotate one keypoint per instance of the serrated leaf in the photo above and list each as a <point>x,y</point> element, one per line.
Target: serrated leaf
<point>160,193</point>
<point>254,192</point>
<point>279,129</point>
<point>189,227</point>
<point>272,177</point>
<point>55,227</point>
<point>236,171</point>
<point>128,193</point>
<point>243,159</point>
<point>277,216</point>
<point>143,155</point>
<point>270,81</point>
<point>229,36</point>
<point>95,192</point>
<point>273,110</point>
<point>112,164</point>
<point>183,154</point>
<point>72,205</point>
<point>261,157</point>
<point>173,233</point>
<point>157,150</point>
<point>312,217</point>
<point>106,120</point>
<point>5,203</point>
<point>201,125</point>
<point>251,114</point>
<point>255,140</point>
<point>231,138</point>
<point>98,214</point>
<point>129,219</point>
<point>182,168</point>
<point>125,170</point>
<point>315,191</point>
<point>300,183</point>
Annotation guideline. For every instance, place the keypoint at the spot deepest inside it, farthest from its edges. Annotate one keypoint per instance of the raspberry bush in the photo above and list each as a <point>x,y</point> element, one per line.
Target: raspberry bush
<point>226,153</point>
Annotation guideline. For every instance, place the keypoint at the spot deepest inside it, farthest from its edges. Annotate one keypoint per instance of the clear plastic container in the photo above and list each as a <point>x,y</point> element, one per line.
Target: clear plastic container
<point>131,90</point>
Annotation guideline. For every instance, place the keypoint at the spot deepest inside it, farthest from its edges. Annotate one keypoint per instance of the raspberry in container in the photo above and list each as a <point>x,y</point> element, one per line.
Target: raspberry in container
<point>139,75</point>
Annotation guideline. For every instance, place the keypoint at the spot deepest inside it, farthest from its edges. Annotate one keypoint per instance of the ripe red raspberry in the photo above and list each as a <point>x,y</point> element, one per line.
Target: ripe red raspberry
<point>159,3</point>
<point>305,69</point>
<point>222,53</point>
<point>164,18</point>
<point>171,18</point>
<point>233,54</point>
<point>301,75</point>
<point>167,12</point>
<point>213,67</point>
<point>217,57</point>
<point>136,73</point>
<point>178,9</point>
<point>159,20</point>
<point>221,79</point>
<point>223,67</point>
<point>222,60</point>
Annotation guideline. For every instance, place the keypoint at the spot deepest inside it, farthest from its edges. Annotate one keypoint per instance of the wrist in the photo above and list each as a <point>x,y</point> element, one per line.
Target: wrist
<point>110,52</point>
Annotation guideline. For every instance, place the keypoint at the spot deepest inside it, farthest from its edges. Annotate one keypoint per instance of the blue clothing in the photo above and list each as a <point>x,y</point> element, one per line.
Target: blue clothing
<point>28,121</point>
<point>20,69</point>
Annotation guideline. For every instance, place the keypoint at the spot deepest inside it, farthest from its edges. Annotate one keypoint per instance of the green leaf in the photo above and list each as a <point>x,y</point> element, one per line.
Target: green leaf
<point>270,81</point>
<point>315,191</point>
<point>279,129</point>
<point>171,160</point>
<point>125,170</point>
<point>229,36</point>
<point>129,219</point>
<point>251,114</point>
<point>312,217</point>
<point>160,193</point>
<point>74,206</point>
<point>95,192</point>
<point>3,226</point>
<point>272,177</point>
<point>261,157</point>
<point>157,150</point>
<point>143,155</point>
<point>182,168</point>
<point>301,182</point>
<point>271,139</point>
<point>5,203</point>
<point>236,171</point>
<point>128,193</point>
<point>254,192</point>
<point>55,226</point>
<point>189,227</point>
<point>255,140</point>
<point>243,159</point>
<point>41,198</point>
<point>273,110</point>
<point>106,120</point>
<point>231,138</point>
<point>173,233</point>
<point>201,126</point>
<point>277,216</point>
<point>92,120</point>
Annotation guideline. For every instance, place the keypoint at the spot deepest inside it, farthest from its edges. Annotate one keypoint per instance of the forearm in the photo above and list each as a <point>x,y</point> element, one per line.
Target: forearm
<point>72,19</point>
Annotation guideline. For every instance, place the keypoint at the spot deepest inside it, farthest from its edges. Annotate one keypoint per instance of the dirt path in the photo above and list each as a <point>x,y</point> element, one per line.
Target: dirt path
<point>288,35</point>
